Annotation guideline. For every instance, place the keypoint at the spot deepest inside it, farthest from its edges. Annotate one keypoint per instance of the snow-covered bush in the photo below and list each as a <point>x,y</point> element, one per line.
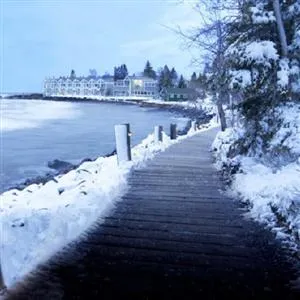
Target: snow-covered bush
<point>268,181</point>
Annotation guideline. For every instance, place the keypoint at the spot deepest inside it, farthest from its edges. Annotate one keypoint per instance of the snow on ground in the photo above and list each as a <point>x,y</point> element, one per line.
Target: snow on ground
<point>273,192</point>
<point>39,220</point>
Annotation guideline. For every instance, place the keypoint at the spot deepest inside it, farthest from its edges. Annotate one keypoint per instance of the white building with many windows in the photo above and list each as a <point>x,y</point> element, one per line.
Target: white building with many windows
<point>138,86</point>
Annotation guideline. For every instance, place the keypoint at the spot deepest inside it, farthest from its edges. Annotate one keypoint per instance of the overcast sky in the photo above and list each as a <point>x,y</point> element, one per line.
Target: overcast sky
<point>42,38</point>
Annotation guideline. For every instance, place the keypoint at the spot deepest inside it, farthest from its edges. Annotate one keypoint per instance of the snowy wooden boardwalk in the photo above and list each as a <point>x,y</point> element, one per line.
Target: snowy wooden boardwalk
<point>173,235</point>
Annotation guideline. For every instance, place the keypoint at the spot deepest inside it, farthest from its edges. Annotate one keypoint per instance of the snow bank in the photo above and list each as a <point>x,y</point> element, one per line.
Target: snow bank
<point>39,220</point>
<point>272,192</point>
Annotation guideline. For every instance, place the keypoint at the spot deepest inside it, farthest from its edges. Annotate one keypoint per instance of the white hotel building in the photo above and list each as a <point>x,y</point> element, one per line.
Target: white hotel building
<point>139,86</point>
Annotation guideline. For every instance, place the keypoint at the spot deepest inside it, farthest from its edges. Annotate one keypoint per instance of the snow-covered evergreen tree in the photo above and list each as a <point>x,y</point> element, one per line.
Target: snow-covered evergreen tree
<point>263,61</point>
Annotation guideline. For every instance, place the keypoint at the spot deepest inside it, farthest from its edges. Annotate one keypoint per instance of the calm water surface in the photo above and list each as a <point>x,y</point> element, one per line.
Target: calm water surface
<point>34,132</point>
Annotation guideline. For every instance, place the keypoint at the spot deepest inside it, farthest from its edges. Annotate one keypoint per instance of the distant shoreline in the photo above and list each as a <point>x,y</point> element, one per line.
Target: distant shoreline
<point>192,113</point>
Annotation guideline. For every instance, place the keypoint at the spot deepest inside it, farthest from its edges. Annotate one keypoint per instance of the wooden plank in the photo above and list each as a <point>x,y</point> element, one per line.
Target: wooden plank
<point>172,246</point>
<point>207,226</point>
<point>190,220</point>
<point>104,251</point>
<point>169,192</point>
<point>204,214</point>
<point>179,209</point>
<point>182,197</point>
<point>176,197</point>
<point>162,204</point>
<point>164,173</point>
<point>184,236</point>
<point>175,183</point>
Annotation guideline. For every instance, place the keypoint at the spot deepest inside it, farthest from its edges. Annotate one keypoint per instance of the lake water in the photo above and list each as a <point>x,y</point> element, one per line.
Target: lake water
<point>34,132</point>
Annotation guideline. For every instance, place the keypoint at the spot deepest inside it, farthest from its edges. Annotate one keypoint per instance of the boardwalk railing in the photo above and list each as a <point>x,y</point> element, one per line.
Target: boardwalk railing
<point>123,134</point>
<point>123,138</point>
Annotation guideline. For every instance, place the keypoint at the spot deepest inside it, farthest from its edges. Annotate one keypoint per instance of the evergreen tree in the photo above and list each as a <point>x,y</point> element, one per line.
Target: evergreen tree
<point>165,80</point>
<point>161,79</point>
<point>93,73</point>
<point>72,75</point>
<point>106,75</point>
<point>116,73</point>
<point>120,72</point>
<point>194,76</point>
<point>174,77</point>
<point>203,80</point>
<point>181,83</point>
<point>124,71</point>
<point>261,59</point>
<point>148,71</point>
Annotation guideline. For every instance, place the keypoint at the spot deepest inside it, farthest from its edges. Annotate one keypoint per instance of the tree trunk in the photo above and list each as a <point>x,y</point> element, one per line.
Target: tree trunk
<point>220,65</point>
<point>280,28</point>
<point>1,280</point>
<point>221,114</point>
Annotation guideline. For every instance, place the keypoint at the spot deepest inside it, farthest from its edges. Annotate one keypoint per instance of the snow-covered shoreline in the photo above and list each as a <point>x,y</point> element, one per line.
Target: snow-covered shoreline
<point>185,108</point>
<point>39,220</point>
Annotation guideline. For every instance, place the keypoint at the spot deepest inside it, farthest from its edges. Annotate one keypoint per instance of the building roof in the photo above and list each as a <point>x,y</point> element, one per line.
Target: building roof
<point>104,78</point>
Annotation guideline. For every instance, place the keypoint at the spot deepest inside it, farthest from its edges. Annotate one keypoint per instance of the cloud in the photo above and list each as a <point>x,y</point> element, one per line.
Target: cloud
<point>155,47</point>
<point>182,15</point>
<point>162,44</point>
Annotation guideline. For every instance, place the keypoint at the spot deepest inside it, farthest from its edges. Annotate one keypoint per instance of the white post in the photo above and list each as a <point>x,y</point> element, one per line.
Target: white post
<point>122,133</point>
<point>173,132</point>
<point>158,134</point>
<point>194,125</point>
